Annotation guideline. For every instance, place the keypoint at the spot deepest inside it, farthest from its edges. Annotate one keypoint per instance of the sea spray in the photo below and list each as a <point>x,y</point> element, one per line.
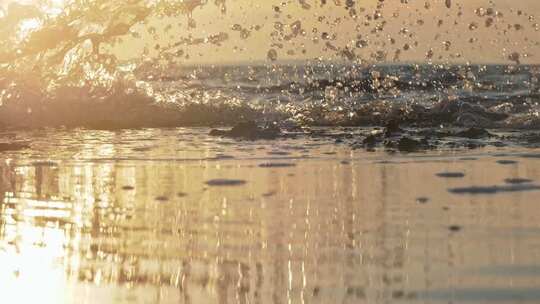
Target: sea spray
<point>60,64</point>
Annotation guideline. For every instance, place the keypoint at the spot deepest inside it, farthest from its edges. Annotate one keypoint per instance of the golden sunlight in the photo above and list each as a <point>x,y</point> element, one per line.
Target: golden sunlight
<point>269,151</point>
<point>27,26</point>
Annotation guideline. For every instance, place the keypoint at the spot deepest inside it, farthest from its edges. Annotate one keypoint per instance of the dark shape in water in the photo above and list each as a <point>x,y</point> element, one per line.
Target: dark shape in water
<point>345,162</point>
<point>515,181</point>
<point>142,149</point>
<point>278,153</point>
<point>181,194</point>
<point>422,200</point>
<point>219,182</point>
<point>128,188</point>
<point>451,174</point>
<point>476,190</point>
<point>463,113</point>
<point>162,198</point>
<point>277,165</point>
<point>269,193</point>
<point>14,146</point>
<point>455,228</point>
<point>398,294</point>
<point>391,128</point>
<point>407,144</point>
<point>224,156</point>
<point>248,130</point>
<point>530,155</point>
<point>370,141</point>
<point>474,133</point>
<point>506,162</point>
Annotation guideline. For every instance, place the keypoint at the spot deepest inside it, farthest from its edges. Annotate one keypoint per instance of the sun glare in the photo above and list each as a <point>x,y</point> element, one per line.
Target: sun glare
<point>28,26</point>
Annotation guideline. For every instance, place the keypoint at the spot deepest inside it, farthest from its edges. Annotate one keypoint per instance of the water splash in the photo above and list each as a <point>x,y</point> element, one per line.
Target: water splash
<point>63,63</point>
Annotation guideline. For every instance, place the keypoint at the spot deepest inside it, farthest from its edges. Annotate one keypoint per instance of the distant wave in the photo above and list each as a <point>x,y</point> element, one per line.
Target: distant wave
<point>496,96</point>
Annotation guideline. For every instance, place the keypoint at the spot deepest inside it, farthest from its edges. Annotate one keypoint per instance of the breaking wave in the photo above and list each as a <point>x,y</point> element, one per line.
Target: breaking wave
<point>60,66</point>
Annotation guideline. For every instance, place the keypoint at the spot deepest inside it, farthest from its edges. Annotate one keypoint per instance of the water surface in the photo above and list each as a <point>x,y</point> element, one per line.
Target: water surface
<point>134,217</point>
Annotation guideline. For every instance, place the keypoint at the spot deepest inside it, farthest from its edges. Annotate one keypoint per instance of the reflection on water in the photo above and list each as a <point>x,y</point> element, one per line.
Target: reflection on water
<point>131,217</point>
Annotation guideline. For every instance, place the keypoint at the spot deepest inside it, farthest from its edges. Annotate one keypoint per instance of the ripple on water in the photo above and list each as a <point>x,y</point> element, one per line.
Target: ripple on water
<point>476,190</point>
<point>506,162</point>
<point>277,165</point>
<point>279,153</point>
<point>142,149</point>
<point>530,155</point>
<point>220,182</point>
<point>468,158</point>
<point>224,156</point>
<point>451,174</point>
<point>269,194</point>
<point>518,181</point>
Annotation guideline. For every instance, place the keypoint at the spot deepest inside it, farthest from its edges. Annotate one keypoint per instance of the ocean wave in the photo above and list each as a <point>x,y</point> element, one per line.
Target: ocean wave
<point>55,70</point>
<point>412,94</point>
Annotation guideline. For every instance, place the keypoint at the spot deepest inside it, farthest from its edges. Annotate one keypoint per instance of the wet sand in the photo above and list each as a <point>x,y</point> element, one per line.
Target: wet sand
<point>177,216</point>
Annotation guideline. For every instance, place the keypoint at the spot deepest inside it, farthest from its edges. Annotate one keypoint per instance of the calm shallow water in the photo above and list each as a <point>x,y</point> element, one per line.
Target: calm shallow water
<point>175,216</point>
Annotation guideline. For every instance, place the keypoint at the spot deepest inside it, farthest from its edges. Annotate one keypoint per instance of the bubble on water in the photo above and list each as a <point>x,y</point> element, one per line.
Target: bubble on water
<point>515,57</point>
<point>272,55</point>
<point>448,3</point>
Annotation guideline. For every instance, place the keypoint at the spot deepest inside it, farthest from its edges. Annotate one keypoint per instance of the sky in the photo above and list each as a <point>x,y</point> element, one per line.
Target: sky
<point>398,30</point>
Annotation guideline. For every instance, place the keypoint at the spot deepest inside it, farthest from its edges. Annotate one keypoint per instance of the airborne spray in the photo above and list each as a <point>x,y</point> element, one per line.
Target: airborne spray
<point>195,62</point>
